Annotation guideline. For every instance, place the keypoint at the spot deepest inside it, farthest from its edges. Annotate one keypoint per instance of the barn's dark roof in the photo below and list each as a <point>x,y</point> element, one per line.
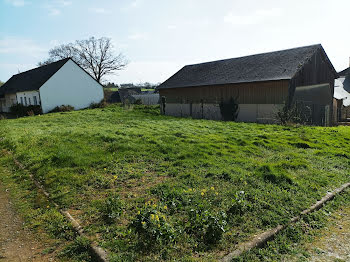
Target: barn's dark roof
<point>277,65</point>
<point>345,72</point>
<point>32,79</point>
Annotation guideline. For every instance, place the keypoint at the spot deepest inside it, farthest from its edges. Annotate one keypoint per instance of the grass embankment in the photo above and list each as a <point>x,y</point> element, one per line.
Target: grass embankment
<point>153,187</point>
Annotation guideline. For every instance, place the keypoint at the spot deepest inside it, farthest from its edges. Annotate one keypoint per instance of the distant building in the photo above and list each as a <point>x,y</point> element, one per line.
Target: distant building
<point>59,83</point>
<point>342,96</point>
<point>260,84</point>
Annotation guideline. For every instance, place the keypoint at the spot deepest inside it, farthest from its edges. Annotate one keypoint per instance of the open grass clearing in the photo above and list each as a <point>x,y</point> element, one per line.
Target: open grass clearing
<point>188,189</point>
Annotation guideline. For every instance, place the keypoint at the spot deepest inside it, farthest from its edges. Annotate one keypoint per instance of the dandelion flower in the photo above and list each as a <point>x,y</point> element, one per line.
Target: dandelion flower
<point>143,223</point>
<point>212,188</point>
<point>48,206</point>
<point>165,207</point>
<point>152,216</point>
<point>216,193</point>
<point>202,193</point>
<point>105,169</point>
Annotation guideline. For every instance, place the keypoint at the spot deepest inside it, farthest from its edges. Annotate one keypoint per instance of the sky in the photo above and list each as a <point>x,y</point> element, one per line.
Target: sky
<point>159,37</point>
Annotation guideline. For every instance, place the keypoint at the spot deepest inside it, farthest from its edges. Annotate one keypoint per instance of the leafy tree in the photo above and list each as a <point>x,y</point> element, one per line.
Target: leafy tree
<point>96,56</point>
<point>1,83</point>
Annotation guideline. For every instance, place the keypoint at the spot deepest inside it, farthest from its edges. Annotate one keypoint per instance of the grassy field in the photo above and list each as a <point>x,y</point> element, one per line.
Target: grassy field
<point>150,187</point>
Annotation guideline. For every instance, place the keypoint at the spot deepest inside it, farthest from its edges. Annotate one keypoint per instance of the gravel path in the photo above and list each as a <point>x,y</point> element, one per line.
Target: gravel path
<point>16,243</point>
<point>334,242</point>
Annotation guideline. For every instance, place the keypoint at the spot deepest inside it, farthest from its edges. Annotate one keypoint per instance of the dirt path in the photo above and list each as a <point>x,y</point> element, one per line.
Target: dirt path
<point>16,244</point>
<point>334,242</point>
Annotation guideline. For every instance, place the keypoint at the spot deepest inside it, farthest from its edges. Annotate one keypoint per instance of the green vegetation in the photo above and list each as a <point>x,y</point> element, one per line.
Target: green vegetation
<point>150,187</point>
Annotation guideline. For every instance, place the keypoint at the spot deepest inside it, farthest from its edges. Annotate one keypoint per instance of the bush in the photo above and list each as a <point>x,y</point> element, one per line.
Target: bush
<point>152,227</point>
<point>20,110</point>
<point>111,208</point>
<point>207,227</point>
<point>102,104</point>
<point>62,108</point>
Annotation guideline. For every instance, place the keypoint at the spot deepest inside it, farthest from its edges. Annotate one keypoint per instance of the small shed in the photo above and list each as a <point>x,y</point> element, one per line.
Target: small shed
<point>260,84</point>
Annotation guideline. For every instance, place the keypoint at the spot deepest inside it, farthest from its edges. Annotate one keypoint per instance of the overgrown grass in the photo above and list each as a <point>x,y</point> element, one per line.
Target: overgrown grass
<point>153,187</point>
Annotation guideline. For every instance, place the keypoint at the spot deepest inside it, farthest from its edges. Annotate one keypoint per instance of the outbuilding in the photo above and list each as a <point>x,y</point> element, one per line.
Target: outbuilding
<point>259,84</point>
<point>60,83</point>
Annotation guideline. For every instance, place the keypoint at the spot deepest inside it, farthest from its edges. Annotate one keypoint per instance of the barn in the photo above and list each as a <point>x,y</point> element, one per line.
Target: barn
<point>60,83</point>
<point>259,84</point>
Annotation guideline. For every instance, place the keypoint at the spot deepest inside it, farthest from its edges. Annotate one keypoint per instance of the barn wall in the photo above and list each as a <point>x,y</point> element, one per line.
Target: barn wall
<point>258,102</point>
<point>316,71</point>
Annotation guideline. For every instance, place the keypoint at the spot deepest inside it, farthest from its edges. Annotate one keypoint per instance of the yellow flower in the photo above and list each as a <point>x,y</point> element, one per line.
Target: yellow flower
<point>138,212</point>
<point>202,193</point>
<point>143,223</point>
<point>157,217</point>
<point>216,193</point>
<point>190,189</point>
<point>165,207</point>
<point>152,216</point>
<point>115,177</point>
<point>212,188</point>
<point>158,225</point>
<point>154,206</point>
<point>48,206</point>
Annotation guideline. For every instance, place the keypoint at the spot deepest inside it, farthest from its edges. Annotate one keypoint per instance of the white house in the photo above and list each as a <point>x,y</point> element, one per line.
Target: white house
<point>60,83</point>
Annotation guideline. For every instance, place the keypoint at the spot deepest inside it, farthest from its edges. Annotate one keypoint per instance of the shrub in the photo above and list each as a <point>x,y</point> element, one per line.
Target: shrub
<point>239,204</point>
<point>62,108</point>
<point>152,227</point>
<point>111,208</point>
<point>102,104</point>
<point>207,227</point>
<point>20,110</point>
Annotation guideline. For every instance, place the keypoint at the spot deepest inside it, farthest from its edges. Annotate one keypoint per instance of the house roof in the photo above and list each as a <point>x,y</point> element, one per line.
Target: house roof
<point>32,79</point>
<point>344,72</point>
<point>279,65</point>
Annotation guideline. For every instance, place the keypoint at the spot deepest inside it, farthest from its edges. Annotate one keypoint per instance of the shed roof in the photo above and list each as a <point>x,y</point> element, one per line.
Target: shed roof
<point>345,72</point>
<point>279,65</point>
<point>32,79</point>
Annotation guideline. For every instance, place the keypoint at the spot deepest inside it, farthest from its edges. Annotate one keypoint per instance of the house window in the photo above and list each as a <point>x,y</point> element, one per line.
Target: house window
<point>22,100</point>
<point>35,101</point>
<point>29,102</point>
<point>25,101</point>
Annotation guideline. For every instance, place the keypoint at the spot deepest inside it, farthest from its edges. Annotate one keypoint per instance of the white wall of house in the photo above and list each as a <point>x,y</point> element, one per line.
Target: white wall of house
<point>7,102</point>
<point>28,98</point>
<point>70,85</point>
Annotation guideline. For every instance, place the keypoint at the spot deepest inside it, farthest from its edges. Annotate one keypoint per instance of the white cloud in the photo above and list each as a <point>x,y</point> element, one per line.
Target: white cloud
<point>136,3</point>
<point>256,17</point>
<point>138,36</point>
<point>171,27</point>
<point>54,11</point>
<point>63,2</point>
<point>146,71</point>
<point>20,46</point>
<point>17,3</point>
<point>99,10</point>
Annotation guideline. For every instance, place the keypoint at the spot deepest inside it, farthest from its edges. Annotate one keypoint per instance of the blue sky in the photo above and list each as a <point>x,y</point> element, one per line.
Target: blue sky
<point>160,36</point>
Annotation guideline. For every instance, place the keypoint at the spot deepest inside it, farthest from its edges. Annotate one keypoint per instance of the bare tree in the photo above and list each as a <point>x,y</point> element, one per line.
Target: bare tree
<point>96,56</point>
